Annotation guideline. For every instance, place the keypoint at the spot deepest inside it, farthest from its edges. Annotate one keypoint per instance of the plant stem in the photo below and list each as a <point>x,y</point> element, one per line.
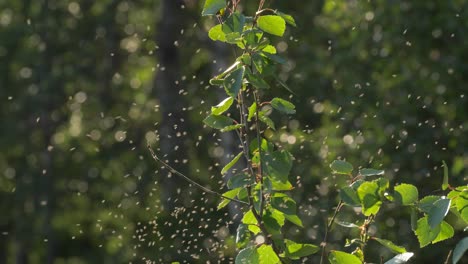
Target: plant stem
<point>259,143</point>
<point>185,177</point>
<point>329,226</point>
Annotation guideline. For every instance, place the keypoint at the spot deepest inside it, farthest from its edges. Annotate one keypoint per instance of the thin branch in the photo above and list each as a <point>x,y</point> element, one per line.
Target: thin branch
<point>178,173</point>
<point>329,226</point>
<point>259,142</point>
<point>447,261</point>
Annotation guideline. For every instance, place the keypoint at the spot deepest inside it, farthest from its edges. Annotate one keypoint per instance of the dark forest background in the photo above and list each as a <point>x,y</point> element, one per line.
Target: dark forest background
<point>84,85</point>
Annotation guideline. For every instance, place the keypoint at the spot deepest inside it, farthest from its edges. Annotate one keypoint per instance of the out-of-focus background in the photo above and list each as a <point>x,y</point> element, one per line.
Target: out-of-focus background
<point>84,85</point>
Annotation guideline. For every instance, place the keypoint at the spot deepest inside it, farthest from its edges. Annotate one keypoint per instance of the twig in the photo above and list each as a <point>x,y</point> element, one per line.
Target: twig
<point>448,257</point>
<point>329,225</point>
<point>259,142</point>
<point>178,173</point>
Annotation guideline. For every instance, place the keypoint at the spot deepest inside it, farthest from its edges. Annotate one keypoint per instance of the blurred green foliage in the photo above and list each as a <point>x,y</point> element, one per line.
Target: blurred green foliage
<point>380,83</point>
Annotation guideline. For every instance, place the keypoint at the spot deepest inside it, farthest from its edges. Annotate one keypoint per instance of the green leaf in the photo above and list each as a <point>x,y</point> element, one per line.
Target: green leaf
<point>426,203</point>
<point>425,233</point>
<point>273,220</point>
<point>294,219</point>
<point>295,250</point>
<point>220,77</point>
<point>370,172</point>
<point>267,255</point>
<point>283,106</point>
<point>438,212</point>
<point>446,232</point>
<point>240,180</point>
<point>288,18</point>
<point>340,257</point>
<point>283,203</point>
<point>277,165</point>
<point>346,224</point>
<point>368,193</point>
<point>218,122</point>
<point>349,196</point>
<point>231,127</point>
<point>233,81</point>
<point>445,183</point>
<point>267,120</point>
<point>249,218</point>
<point>211,7</point>
<point>216,33</point>
<point>231,163</point>
<point>401,258</point>
<point>341,167</point>
<point>217,81</point>
<point>459,250</point>
<point>272,24</point>
<point>230,194</point>
<point>269,49</point>
<point>248,256</point>
<point>242,236</point>
<point>257,81</point>
<point>287,206</point>
<point>222,107</point>
<point>406,194</point>
<point>390,245</point>
<point>234,24</point>
<point>252,111</point>
<point>462,205</point>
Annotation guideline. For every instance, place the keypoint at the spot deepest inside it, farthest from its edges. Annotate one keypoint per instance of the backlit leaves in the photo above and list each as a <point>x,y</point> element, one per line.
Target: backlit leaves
<point>272,24</point>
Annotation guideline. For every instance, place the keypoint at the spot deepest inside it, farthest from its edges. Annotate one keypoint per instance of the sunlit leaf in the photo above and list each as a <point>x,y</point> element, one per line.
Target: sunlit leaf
<point>446,232</point>
<point>340,257</point>
<point>272,24</point>
<point>231,163</point>
<point>269,49</point>
<point>406,194</point>
<point>401,258</point>
<point>368,194</point>
<point>295,250</point>
<point>425,233</point>
<point>390,245</point>
<point>267,255</point>
<point>216,33</point>
<point>222,107</point>
<point>230,194</point>
<point>462,205</point>
<point>252,111</point>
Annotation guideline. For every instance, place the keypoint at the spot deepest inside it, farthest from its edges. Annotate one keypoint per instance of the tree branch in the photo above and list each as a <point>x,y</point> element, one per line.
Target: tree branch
<point>183,176</point>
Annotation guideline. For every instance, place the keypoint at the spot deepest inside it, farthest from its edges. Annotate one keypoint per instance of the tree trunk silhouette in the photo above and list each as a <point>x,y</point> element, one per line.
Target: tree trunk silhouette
<point>171,145</point>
